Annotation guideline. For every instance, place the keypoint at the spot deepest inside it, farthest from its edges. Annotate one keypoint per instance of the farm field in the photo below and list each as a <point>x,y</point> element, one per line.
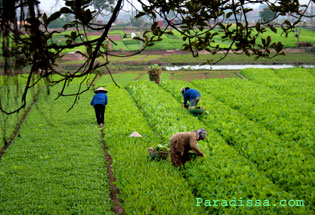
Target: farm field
<point>54,165</point>
<point>259,149</point>
<point>147,59</point>
<point>172,42</point>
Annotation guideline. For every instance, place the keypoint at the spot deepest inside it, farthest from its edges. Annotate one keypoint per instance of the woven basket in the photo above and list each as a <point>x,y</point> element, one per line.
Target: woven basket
<point>199,110</point>
<point>157,155</point>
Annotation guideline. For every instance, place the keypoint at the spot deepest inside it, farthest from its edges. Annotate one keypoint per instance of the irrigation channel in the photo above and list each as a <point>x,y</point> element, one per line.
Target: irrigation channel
<point>233,67</point>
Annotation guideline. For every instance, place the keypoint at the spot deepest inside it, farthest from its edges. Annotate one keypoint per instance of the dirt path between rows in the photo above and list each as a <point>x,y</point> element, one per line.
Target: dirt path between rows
<point>172,76</point>
<point>139,76</point>
<point>18,126</point>
<point>114,191</point>
<point>240,75</point>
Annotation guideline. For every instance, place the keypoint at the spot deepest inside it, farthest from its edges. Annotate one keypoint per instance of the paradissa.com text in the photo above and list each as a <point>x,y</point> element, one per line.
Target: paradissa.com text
<point>248,203</point>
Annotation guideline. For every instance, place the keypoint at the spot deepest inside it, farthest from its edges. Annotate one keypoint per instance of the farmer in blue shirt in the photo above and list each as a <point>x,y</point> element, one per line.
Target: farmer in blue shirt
<point>191,95</point>
<point>99,102</point>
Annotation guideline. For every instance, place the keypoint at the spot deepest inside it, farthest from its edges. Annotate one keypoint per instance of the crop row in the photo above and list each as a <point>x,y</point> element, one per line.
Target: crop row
<point>10,99</point>
<point>222,173</point>
<point>146,186</point>
<point>284,164</point>
<point>119,78</point>
<point>287,116</point>
<point>295,73</point>
<point>56,165</point>
<point>296,82</point>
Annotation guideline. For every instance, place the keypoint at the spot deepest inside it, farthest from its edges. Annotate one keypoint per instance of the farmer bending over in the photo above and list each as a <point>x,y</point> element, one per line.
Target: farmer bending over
<point>182,142</point>
<point>99,102</point>
<point>192,95</point>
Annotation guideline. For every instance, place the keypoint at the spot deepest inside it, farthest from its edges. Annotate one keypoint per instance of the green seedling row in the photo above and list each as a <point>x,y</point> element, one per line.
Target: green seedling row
<point>56,164</point>
<point>222,173</point>
<point>291,118</point>
<point>146,186</point>
<point>120,79</point>
<point>294,82</point>
<point>295,73</point>
<point>257,144</point>
<point>151,57</point>
<point>11,99</point>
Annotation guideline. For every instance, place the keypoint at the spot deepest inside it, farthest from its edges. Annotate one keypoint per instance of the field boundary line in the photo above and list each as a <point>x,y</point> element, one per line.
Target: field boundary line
<point>117,209</point>
<point>139,76</point>
<point>240,75</point>
<point>172,76</point>
<point>18,126</point>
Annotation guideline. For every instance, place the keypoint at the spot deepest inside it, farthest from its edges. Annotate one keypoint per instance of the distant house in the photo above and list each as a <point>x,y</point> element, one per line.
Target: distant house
<point>252,17</point>
<point>99,22</point>
<point>160,24</point>
<point>133,35</point>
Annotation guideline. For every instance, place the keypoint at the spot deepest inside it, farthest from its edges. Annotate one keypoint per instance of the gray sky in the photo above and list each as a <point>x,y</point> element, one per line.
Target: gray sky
<point>51,6</point>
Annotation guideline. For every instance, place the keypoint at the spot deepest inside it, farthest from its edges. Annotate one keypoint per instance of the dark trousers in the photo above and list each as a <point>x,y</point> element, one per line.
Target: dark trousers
<point>100,113</point>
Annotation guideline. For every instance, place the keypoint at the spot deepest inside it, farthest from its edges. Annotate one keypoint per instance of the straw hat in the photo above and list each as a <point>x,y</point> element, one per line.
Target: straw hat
<point>100,89</point>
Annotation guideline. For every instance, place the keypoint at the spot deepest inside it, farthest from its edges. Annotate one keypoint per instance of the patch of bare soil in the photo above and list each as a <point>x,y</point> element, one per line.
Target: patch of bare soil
<point>72,56</point>
<point>172,76</point>
<point>294,50</point>
<point>114,37</point>
<point>206,75</point>
<point>224,76</point>
<point>94,33</point>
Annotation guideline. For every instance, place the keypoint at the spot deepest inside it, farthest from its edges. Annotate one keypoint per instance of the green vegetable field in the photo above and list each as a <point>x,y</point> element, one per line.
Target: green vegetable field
<point>175,41</point>
<point>259,149</point>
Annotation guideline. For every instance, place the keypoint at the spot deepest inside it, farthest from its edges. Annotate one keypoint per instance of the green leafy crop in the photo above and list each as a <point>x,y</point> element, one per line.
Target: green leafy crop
<point>223,173</point>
